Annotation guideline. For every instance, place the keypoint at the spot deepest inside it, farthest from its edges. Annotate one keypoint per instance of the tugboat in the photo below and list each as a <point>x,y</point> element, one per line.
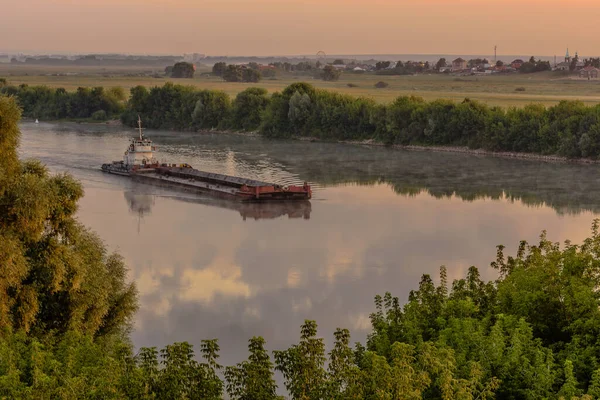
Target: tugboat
<point>139,163</point>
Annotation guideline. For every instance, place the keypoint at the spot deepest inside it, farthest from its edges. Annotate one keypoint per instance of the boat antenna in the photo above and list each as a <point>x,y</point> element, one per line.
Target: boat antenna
<point>140,127</point>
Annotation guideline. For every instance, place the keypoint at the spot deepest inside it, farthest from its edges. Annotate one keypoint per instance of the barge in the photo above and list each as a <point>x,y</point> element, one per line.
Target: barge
<point>139,164</point>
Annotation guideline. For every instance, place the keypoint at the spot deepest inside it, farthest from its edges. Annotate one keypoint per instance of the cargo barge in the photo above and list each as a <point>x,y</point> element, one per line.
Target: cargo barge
<point>139,164</point>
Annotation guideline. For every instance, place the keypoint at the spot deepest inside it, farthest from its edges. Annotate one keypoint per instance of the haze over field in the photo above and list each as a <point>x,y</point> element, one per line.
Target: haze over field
<point>268,27</point>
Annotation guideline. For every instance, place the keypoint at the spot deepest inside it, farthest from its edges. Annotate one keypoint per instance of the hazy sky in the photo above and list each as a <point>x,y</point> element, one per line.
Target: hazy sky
<point>286,27</point>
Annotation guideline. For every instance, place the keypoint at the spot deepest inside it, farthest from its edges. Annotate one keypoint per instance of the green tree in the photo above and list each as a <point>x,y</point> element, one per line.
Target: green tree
<point>251,75</point>
<point>233,73</point>
<point>211,110</point>
<point>302,365</point>
<point>248,107</point>
<point>183,70</point>
<point>56,275</point>
<point>299,110</point>
<point>219,69</point>
<point>252,379</point>
<point>569,388</point>
<point>343,374</point>
<point>331,73</point>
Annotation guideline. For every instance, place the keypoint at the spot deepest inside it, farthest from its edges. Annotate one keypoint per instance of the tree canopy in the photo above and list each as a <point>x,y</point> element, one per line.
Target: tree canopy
<point>183,70</point>
<point>55,275</point>
<point>331,73</point>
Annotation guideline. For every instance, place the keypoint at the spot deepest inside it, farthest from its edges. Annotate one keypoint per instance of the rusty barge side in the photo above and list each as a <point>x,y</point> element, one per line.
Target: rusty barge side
<point>224,186</point>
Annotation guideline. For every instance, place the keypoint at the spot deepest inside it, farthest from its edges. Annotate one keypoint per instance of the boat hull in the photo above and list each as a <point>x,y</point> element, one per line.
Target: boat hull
<point>223,186</point>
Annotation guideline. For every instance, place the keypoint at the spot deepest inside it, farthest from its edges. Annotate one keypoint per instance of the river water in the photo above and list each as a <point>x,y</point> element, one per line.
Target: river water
<point>379,219</point>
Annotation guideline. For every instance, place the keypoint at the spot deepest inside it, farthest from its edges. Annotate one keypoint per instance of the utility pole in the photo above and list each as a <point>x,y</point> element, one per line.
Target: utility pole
<point>495,58</point>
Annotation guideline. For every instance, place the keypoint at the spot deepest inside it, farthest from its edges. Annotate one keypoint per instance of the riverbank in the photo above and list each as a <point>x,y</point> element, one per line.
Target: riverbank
<point>464,150</point>
<point>372,142</point>
<point>564,132</point>
<point>86,121</point>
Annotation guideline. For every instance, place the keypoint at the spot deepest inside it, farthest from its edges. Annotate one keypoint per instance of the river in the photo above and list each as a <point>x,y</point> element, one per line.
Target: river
<point>379,219</point>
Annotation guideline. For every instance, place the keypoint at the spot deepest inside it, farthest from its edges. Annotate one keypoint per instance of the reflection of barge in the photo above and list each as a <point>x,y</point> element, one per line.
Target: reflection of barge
<point>138,163</point>
<point>256,211</point>
<point>142,203</point>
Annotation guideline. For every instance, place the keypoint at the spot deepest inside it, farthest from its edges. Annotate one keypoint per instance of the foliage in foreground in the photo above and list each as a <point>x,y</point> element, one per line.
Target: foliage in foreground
<point>55,275</point>
<point>531,334</point>
<point>65,309</point>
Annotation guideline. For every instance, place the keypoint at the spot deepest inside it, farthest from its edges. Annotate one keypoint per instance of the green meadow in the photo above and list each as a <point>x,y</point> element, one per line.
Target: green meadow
<point>547,88</point>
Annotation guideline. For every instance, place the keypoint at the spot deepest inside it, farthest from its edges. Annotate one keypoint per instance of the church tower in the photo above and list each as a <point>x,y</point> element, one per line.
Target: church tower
<point>567,56</point>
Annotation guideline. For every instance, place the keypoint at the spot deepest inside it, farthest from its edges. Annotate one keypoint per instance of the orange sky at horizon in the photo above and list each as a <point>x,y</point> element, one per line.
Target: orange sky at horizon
<point>289,27</point>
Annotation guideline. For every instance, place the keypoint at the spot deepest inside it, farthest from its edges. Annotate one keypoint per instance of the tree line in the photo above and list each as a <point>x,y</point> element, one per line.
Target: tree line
<point>66,309</point>
<point>570,128</point>
<point>48,103</point>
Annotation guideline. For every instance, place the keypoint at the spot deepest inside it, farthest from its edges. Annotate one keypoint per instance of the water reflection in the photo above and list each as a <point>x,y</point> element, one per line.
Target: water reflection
<point>141,203</point>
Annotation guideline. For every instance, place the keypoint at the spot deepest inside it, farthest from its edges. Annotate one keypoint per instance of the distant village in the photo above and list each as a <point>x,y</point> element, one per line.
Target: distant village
<point>584,68</point>
<point>587,68</point>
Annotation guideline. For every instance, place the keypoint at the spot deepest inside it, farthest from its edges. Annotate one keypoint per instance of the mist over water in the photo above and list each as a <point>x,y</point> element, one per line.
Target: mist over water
<point>379,219</point>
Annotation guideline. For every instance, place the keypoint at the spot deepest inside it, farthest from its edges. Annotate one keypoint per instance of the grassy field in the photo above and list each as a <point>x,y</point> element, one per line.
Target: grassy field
<point>546,88</point>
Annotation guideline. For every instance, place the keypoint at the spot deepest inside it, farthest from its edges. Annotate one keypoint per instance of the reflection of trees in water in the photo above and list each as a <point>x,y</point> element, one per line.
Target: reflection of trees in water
<point>139,203</point>
<point>567,188</point>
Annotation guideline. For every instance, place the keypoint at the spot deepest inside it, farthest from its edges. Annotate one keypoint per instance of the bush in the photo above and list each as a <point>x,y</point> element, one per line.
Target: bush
<point>330,73</point>
<point>381,85</point>
<point>183,70</point>
<point>352,85</point>
<point>520,89</point>
<point>239,73</point>
<point>99,115</point>
<point>56,103</point>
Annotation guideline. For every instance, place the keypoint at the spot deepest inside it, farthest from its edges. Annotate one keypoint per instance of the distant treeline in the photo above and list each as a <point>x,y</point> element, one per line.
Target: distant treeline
<point>50,104</point>
<point>569,129</point>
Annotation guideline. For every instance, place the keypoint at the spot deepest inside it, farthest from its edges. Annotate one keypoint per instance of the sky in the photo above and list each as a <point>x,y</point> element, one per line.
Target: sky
<point>300,27</point>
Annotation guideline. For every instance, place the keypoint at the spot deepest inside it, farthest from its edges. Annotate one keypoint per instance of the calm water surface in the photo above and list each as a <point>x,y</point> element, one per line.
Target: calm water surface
<point>379,219</point>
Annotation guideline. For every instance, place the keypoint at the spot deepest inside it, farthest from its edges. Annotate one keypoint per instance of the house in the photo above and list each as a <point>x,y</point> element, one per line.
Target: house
<point>589,72</point>
<point>516,64</point>
<point>562,66</point>
<point>459,64</point>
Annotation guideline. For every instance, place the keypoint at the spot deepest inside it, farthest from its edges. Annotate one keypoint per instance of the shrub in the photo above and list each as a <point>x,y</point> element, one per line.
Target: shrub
<point>381,85</point>
<point>99,115</point>
<point>351,85</point>
<point>520,89</point>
